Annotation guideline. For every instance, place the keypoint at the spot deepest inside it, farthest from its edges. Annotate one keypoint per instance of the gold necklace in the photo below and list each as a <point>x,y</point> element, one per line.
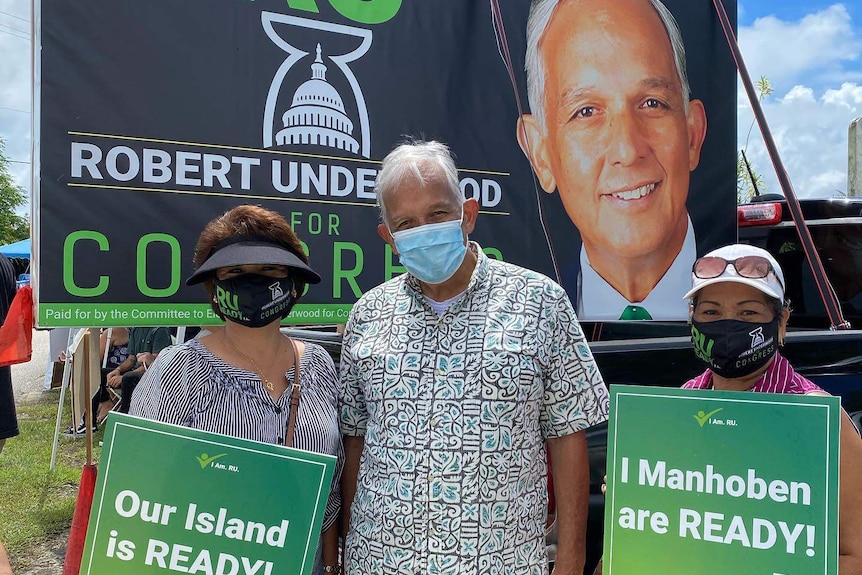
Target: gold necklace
<point>269,385</point>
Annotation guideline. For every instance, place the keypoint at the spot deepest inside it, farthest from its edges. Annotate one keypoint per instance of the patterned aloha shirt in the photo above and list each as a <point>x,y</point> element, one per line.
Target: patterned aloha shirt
<point>455,410</point>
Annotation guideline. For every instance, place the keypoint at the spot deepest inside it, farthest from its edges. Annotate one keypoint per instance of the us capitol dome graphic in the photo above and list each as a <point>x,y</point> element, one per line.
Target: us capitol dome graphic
<point>317,114</point>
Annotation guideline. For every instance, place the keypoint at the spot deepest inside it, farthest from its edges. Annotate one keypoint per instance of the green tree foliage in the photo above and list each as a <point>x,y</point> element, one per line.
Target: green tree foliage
<point>13,227</point>
<point>747,183</point>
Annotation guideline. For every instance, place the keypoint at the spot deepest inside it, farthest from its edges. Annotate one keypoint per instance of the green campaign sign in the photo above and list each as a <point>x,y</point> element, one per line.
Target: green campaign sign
<point>173,499</point>
<point>712,482</point>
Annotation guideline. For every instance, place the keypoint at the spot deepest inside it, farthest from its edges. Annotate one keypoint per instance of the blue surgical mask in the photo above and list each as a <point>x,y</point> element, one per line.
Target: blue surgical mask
<point>433,252</point>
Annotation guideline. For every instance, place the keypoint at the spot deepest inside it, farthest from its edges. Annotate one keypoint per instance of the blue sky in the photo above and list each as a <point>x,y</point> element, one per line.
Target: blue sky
<point>786,10</point>
<point>811,50</point>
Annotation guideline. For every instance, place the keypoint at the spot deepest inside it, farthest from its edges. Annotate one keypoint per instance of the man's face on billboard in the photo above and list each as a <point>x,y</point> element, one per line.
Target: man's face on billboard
<point>617,143</point>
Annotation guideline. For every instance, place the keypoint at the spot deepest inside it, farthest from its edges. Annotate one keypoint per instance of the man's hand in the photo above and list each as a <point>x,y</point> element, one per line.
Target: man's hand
<point>114,378</point>
<point>146,358</point>
<point>565,571</point>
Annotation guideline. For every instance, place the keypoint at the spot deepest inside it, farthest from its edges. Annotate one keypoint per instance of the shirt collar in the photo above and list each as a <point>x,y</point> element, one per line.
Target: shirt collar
<point>599,301</point>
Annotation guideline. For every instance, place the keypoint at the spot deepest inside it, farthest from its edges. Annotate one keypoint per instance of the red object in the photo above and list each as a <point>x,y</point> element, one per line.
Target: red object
<point>16,334</point>
<point>80,520</point>
<point>758,214</point>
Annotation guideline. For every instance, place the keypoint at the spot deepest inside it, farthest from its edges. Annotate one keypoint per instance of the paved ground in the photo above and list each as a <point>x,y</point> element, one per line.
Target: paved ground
<point>28,378</point>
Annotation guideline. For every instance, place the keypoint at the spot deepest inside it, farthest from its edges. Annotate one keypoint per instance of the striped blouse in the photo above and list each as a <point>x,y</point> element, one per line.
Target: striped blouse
<point>779,377</point>
<point>188,385</point>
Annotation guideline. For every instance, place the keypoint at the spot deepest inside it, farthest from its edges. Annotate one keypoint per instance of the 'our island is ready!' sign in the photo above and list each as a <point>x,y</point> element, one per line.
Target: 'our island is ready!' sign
<point>176,500</point>
<point>713,482</point>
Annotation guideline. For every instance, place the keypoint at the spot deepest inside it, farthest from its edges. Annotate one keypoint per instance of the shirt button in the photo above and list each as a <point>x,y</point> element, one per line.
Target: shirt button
<point>278,409</point>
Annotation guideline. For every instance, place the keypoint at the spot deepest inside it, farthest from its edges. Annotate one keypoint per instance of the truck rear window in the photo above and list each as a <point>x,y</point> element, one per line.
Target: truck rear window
<point>840,250</point>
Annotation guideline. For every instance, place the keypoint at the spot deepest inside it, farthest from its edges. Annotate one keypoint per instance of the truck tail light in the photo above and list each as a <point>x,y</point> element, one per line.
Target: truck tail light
<point>758,214</point>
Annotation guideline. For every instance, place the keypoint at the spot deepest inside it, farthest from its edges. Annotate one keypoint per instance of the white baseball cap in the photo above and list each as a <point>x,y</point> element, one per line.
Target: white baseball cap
<point>772,284</point>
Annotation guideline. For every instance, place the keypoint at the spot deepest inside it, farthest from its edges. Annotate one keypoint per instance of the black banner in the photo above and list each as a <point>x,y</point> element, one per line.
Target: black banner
<point>156,117</point>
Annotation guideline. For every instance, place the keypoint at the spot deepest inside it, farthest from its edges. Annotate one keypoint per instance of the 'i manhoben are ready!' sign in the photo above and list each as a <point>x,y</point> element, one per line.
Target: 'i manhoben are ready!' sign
<point>712,482</point>
<point>171,499</point>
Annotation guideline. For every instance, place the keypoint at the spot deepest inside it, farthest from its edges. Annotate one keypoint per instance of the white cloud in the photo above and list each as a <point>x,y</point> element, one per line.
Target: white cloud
<point>817,46</point>
<point>848,94</point>
<point>810,133</point>
<point>808,116</point>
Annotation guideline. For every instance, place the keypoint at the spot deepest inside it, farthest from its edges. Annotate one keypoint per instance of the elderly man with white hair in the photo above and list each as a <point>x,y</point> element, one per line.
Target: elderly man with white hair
<point>454,378</point>
<point>614,131</point>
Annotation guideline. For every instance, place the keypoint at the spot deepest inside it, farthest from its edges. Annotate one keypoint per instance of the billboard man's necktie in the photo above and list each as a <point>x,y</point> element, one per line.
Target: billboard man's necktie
<point>635,312</point>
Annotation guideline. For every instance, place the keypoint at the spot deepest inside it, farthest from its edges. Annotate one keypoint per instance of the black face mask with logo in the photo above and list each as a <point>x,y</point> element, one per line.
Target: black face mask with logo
<point>254,300</point>
<point>732,348</point>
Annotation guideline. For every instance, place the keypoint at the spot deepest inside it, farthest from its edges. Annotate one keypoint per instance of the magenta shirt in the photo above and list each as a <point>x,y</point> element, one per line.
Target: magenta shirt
<point>779,377</point>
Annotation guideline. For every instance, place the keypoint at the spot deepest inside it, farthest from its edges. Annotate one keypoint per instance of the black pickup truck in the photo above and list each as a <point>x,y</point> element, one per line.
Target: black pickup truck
<point>660,354</point>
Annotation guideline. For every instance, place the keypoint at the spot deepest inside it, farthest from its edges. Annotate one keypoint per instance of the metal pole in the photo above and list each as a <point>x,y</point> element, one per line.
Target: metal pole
<point>827,294</point>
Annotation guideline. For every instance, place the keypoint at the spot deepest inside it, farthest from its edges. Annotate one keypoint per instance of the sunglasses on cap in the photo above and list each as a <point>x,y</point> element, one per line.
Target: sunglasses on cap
<point>752,267</point>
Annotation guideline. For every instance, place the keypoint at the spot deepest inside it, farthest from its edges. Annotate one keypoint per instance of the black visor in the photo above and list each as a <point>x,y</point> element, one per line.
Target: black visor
<point>245,251</point>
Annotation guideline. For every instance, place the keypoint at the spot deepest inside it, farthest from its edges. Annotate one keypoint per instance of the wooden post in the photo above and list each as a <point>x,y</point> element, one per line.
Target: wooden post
<point>93,378</point>
<point>79,380</point>
<point>86,378</point>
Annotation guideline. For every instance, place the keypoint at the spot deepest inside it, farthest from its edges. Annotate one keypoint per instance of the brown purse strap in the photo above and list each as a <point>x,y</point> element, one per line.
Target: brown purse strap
<point>294,396</point>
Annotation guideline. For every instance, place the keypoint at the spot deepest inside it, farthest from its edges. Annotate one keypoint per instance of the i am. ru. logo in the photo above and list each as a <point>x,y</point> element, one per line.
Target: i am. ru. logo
<point>210,461</point>
<point>703,417</point>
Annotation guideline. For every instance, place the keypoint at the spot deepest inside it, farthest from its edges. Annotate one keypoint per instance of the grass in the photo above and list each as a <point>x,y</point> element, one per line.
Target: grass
<point>35,502</point>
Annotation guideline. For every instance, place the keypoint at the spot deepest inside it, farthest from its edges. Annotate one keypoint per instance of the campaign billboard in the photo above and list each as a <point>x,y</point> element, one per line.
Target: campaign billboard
<point>154,118</point>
